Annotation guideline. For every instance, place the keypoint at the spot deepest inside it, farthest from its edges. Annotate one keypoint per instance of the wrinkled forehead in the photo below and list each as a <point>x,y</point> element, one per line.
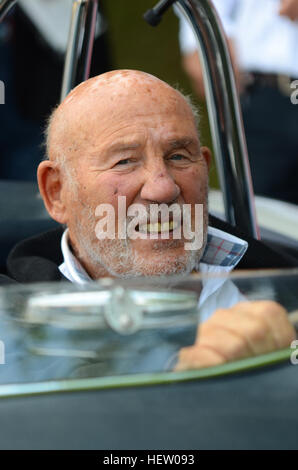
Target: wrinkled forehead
<point>111,100</point>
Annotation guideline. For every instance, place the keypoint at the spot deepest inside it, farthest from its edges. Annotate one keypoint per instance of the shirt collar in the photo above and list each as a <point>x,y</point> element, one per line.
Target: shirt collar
<point>222,253</point>
<point>71,268</point>
<point>223,249</point>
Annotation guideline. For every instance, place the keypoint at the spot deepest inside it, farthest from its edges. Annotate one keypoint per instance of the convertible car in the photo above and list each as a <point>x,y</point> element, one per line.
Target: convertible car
<point>91,367</point>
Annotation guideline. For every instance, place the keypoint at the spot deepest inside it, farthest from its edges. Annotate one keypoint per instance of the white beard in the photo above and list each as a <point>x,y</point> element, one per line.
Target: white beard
<point>121,260</point>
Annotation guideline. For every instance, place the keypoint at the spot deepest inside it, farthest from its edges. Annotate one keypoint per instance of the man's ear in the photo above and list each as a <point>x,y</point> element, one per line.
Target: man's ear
<point>206,153</point>
<point>50,187</point>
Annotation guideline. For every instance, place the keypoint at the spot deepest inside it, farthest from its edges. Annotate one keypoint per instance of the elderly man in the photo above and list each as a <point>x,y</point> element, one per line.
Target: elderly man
<point>128,134</point>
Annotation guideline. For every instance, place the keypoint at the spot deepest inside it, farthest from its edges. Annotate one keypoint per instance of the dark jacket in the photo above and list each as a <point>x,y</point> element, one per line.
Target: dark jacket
<point>37,258</point>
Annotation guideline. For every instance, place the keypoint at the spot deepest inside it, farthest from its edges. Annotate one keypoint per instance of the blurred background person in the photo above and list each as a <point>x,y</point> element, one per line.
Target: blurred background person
<point>33,42</point>
<point>263,38</point>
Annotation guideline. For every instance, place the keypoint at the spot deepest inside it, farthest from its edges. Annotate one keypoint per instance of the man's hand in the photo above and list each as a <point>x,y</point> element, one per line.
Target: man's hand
<point>193,68</point>
<point>289,8</point>
<point>247,329</point>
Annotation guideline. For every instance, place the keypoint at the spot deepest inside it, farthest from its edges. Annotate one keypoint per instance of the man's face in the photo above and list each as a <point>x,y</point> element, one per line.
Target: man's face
<point>139,141</point>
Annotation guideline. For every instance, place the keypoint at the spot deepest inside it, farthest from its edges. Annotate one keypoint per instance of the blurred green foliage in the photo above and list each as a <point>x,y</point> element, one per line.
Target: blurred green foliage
<point>136,45</point>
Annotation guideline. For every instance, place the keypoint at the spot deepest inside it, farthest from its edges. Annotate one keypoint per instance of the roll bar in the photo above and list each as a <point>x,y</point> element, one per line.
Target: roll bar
<point>222,99</point>
<point>5,7</point>
<point>80,44</point>
<point>223,106</point>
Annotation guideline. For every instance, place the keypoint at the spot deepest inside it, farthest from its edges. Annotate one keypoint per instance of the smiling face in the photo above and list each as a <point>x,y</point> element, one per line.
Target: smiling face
<point>126,134</point>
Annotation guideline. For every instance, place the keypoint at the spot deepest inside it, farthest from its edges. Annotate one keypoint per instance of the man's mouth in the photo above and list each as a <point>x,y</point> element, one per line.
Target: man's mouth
<point>158,227</point>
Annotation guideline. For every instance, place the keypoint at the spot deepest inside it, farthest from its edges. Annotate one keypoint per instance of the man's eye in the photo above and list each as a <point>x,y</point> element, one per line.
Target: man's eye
<point>125,161</point>
<point>178,157</point>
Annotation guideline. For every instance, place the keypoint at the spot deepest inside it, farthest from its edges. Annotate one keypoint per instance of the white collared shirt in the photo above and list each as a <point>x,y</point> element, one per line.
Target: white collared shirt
<point>265,41</point>
<point>222,253</point>
<point>52,19</point>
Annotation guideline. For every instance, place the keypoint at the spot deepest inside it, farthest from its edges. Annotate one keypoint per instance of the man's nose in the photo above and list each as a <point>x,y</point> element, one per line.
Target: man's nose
<point>160,187</point>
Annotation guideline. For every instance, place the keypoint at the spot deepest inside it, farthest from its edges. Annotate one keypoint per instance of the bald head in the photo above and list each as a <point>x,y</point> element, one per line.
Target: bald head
<point>103,99</point>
